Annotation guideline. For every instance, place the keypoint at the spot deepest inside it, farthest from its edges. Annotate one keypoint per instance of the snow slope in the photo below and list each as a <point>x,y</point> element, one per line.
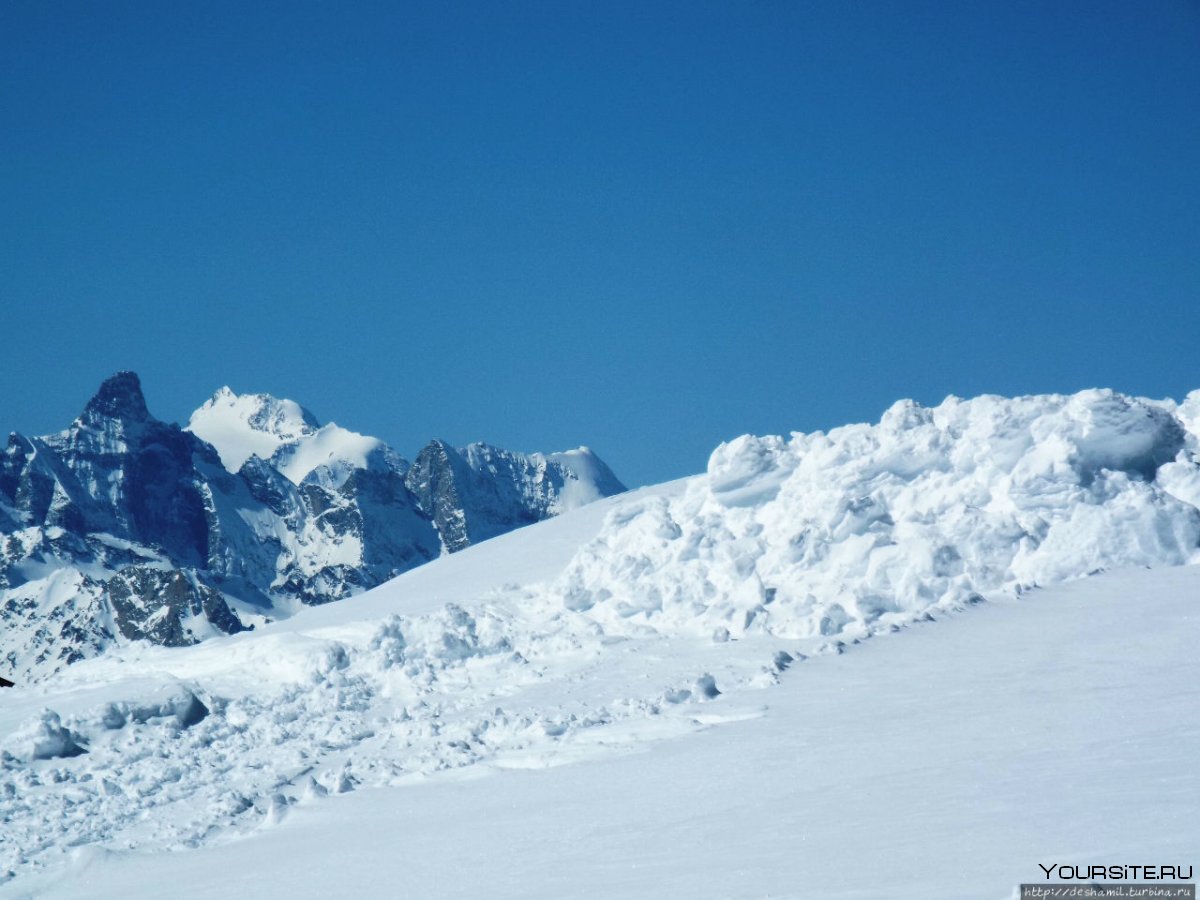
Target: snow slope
<point>945,763</point>
<point>738,598</point>
<point>286,434</point>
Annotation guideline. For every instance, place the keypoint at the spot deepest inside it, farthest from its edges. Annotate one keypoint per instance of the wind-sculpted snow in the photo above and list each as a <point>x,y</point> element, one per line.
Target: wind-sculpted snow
<point>647,615</point>
<point>871,526</point>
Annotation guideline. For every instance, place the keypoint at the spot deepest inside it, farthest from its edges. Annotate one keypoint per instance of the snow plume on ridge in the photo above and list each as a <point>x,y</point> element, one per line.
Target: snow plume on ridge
<point>868,527</point>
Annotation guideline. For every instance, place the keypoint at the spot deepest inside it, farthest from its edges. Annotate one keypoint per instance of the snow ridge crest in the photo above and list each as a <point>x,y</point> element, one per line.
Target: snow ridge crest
<point>868,527</point>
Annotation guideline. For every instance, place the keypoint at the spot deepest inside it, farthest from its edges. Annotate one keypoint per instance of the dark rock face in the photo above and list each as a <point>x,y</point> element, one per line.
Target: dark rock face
<point>435,479</point>
<point>384,513</point>
<point>119,397</point>
<point>159,606</point>
<point>270,488</point>
<point>123,527</point>
<point>480,491</point>
<point>116,490</point>
<point>116,470</point>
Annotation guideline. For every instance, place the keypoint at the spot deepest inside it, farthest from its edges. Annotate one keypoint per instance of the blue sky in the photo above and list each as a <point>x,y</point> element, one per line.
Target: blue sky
<point>646,227</point>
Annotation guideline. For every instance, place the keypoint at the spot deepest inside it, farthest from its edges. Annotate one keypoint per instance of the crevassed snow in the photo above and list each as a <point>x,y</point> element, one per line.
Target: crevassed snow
<point>646,616</point>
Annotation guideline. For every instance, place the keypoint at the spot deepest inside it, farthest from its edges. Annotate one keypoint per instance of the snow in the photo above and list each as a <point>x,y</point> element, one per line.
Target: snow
<point>943,762</point>
<point>871,526</point>
<point>243,425</point>
<point>829,666</point>
<point>592,478</point>
<point>332,447</point>
<point>46,738</point>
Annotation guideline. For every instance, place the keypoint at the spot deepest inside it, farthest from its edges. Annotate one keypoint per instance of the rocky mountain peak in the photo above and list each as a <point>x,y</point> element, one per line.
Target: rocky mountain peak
<point>119,397</point>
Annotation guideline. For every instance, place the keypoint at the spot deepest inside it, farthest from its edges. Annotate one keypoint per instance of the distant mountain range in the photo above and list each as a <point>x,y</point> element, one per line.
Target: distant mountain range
<point>124,528</point>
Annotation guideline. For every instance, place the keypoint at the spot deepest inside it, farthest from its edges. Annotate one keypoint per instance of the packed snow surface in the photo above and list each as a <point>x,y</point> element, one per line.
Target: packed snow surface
<point>662,613</point>
<point>943,763</point>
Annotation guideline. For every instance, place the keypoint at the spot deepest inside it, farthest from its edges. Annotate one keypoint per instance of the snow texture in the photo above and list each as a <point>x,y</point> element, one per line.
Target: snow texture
<point>868,527</point>
<point>945,762</point>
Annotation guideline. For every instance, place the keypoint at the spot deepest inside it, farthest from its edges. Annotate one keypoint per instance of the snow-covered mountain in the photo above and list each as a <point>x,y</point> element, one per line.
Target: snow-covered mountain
<point>288,436</point>
<point>664,612</point>
<point>125,528</point>
<point>470,494</point>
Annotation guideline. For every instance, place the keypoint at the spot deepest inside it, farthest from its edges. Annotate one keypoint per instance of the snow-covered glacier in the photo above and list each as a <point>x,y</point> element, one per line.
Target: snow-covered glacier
<point>640,617</point>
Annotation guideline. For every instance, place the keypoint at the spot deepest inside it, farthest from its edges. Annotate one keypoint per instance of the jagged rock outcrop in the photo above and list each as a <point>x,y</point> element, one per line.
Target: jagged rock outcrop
<point>482,491</point>
<point>173,608</point>
<point>435,479</point>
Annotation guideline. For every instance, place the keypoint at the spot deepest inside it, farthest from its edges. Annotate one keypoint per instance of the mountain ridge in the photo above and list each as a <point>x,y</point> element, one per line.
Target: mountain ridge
<point>215,536</point>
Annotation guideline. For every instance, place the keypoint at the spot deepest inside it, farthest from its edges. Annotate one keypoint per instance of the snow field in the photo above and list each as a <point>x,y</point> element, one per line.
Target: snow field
<point>942,763</point>
<point>264,724</point>
<point>647,616</point>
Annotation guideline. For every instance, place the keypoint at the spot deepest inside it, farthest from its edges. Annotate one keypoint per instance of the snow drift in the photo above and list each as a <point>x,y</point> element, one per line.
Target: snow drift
<point>870,526</point>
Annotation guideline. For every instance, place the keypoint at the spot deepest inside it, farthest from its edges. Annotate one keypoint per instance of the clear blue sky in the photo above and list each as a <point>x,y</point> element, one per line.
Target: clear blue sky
<point>644,226</point>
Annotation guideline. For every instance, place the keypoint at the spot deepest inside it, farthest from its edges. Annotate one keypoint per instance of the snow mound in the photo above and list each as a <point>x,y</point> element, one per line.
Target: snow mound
<point>181,706</point>
<point>44,738</point>
<point>869,527</point>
